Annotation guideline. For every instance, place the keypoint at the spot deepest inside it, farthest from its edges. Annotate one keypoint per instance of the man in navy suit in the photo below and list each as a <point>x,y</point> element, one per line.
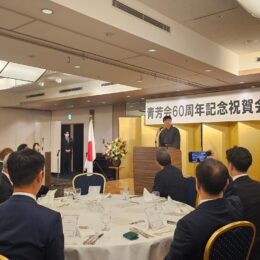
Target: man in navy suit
<point>29,231</point>
<point>169,181</point>
<point>194,230</point>
<point>239,161</point>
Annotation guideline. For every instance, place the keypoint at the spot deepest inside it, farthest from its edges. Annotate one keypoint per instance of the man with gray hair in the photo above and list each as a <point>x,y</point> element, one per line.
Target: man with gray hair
<point>169,181</point>
<point>6,185</point>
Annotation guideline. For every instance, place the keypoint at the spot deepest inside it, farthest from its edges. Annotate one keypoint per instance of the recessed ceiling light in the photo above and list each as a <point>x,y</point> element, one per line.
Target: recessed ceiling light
<point>208,70</point>
<point>241,82</point>
<point>140,79</point>
<point>47,11</point>
<point>41,84</point>
<point>76,66</point>
<point>58,80</point>
<point>152,50</point>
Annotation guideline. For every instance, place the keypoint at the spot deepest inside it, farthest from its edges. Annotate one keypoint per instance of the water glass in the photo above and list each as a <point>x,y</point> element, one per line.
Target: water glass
<point>156,197</point>
<point>125,193</point>
<point>77,193</point>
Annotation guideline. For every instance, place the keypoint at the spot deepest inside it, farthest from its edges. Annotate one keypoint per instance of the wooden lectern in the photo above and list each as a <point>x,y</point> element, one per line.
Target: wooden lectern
<point>145,167</point>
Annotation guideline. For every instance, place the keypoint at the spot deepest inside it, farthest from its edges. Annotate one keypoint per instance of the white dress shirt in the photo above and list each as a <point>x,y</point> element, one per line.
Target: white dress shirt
<point>240,175</point>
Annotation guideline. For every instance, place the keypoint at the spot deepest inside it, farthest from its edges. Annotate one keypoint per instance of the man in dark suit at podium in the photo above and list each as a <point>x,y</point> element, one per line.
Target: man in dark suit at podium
<point>214,211</point>
<point>239,160</point>
<point>29,231</point>
<point>169,136</point>
<point>66,153</point>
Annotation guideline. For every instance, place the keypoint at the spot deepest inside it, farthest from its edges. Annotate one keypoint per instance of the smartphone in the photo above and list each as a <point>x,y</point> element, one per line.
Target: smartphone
<point>197,157</point>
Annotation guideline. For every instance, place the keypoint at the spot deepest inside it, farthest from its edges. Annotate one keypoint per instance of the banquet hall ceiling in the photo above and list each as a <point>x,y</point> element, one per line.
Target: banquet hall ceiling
<point>104,53</point>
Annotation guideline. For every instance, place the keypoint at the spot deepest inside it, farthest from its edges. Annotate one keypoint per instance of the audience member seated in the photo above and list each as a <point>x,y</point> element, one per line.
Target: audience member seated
<point>22,147</point>
<point>6,186</point>
<point>239,160</point>
<point>214,211</point>
<point>3,153</point>
<point>29,231</point>
<point>169,181</point>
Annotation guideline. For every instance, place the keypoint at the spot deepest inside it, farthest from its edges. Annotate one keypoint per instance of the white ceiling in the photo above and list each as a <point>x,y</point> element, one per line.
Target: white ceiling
<point>223,21</point>
<point>52,40</point>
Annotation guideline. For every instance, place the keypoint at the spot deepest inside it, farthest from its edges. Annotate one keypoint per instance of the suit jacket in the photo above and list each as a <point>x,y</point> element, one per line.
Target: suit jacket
<point>66,145</point>
<point>249,192</point>
<point>170,182</point>
<point>194,230</point>
<point>170,137</point>
<point>30,231</point>
<point>6,188</point>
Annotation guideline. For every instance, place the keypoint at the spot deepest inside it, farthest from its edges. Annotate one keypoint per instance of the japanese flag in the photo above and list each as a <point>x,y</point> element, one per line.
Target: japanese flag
<point>91,148</point>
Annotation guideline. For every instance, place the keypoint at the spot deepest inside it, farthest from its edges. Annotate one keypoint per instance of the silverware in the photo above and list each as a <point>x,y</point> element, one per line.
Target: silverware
<point>92,239</point>
<point>171,222</point>
<point>140,232</point>
<point>137,222</point>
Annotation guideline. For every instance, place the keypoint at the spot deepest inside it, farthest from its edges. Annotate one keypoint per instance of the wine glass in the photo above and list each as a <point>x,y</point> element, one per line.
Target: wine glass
<point>156,197</point>
<point>106,218</point>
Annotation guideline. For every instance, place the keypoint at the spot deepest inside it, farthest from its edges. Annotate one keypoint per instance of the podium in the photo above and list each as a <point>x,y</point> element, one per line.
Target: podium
<point>145,167</point>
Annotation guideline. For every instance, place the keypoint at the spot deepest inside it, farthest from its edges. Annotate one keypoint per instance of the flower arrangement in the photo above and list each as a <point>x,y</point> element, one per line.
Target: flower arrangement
<point>116,149</point>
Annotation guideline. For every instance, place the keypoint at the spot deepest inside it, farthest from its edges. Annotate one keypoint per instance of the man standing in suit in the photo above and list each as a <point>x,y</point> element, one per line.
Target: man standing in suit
<point>169,136</point>
<point>169,181</point>
<point>6,186</point>
<point>66,152</point>
<point>194,230</point>
<point>29,231</point>
<point>239,160</point>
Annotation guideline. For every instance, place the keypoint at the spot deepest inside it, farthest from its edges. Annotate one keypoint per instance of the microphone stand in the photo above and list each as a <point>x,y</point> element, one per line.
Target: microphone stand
<point>157,136</point>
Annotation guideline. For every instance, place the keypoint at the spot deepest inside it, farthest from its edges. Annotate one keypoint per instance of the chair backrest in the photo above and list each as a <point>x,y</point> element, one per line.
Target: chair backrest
<point>231,242</point>
<point>85,180</point>
<point>3,257</point>
<point>190,190</point>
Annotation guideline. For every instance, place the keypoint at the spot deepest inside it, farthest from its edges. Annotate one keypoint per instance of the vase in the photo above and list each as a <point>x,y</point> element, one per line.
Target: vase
<point>116,163</point>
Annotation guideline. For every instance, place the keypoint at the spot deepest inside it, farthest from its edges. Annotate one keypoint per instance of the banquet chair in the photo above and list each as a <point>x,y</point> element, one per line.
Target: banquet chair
<point>231,242</point>
<point>3,257</point>
<point>85,180</point>
<point>190,190</point>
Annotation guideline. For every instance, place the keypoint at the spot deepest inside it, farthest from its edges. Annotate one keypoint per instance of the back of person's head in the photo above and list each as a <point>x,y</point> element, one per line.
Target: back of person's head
<point>240,158</point>
<point>34,145</point>
<point>24,166</point>
<point>212,175</point>
<point>22,147</point>
<point>163,157</point>
<point>5,152</point>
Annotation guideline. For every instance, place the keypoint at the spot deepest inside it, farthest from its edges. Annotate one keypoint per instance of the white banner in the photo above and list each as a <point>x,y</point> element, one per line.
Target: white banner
<point>243,105</point>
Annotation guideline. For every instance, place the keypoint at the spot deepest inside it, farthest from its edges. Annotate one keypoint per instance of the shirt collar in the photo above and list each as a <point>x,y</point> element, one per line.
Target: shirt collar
<point>25,194</point>
<point>240,175</point>
<point>7,176</point>
<point>202,201</point>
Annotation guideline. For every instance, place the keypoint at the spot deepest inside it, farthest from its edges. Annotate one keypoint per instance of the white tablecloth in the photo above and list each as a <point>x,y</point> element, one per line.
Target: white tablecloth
<point>112,245</point>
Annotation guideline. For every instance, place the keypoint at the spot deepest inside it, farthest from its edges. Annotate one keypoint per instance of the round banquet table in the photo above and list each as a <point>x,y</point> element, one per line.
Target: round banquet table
<point>112,245</point>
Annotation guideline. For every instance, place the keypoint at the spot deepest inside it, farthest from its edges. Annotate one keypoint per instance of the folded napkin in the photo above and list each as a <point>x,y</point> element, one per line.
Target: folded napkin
<point>148,197</point>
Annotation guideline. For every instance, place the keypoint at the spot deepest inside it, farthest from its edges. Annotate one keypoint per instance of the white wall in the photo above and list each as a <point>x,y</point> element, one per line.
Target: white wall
<point>102,127</point>
<point>19,126</point>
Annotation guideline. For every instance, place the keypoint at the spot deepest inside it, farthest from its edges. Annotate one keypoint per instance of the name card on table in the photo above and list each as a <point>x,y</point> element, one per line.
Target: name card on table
<point>70,225</point>
<point>154,220</point>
